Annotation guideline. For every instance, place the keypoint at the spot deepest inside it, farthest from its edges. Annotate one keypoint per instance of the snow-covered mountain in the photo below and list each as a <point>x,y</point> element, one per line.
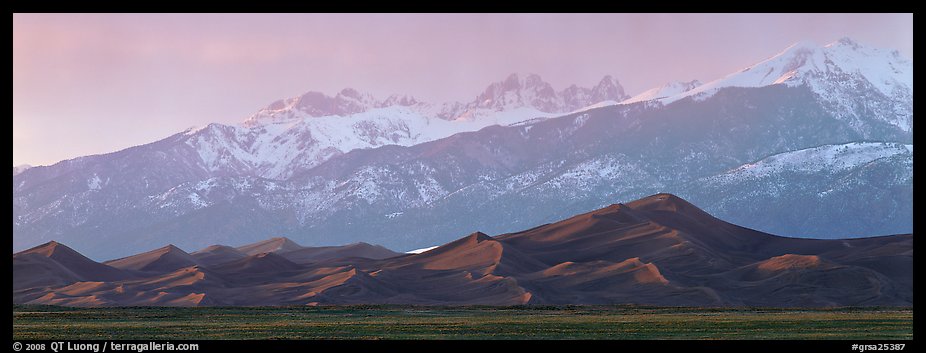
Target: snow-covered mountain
<point>829,158</point>
<point>860,83</point>
<point>872,181</point>
<point>530,90</point>
<point>516,92</point>
<point>279,149</point>
<point>298,133</point>
<point>316,104</point>
<point>409,174</point>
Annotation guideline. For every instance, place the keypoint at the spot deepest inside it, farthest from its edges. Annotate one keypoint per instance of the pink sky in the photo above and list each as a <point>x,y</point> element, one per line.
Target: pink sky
<point>89,84</point>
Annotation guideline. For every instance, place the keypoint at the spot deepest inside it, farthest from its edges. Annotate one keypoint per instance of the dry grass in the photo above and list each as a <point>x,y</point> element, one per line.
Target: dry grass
<point>398,322</point>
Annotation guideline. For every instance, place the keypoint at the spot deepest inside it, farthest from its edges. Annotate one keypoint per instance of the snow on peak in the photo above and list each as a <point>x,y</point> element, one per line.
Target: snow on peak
<point>316,104</point>
<point>608,89</point>
<point>531,91</point>
<point>400,99</point>
<point>840,73</point>
<point>885,69</point>
<point>298,133</point>
<point>279,150</point>
<point>846,41</point>
<point>193,130</point>
<point>805,62</point>
<point>667,90</point>
<point>784,67</point>
<point>515,92</point>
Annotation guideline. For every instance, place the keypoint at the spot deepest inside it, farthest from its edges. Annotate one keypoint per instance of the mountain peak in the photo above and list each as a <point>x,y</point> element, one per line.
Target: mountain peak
<point>315,104</point>
<point>846,41</point>
<point>533,80</point>
<point>350,93</point>
<point>607,81</point>
<point>513,80</point>
<point>400,99</point>
<point>839,73</point>
<point>514,92</point>
<point>518,80</point>
<point>531,91</point>
<point>517,90</point>
<point>608,89</point>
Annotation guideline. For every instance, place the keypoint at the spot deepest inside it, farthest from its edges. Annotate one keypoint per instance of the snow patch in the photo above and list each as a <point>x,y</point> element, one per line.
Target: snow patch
<point>835,72</point>
<point>94,183</point>
<point>601,104</point>
<point>580,121</point>
<point>418,251</point>
<point>197,201</point>
<point>812,160</point>
<point>667,90</point>
<point>278,149</point>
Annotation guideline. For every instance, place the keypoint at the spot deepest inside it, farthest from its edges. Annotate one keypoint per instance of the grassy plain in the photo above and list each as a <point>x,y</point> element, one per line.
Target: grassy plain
<point>415,322</point>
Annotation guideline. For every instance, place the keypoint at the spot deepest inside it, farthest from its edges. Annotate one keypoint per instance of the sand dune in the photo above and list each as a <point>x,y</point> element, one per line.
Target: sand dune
<point>217,254</point>
<point>75,262</point>
<point>476,252</point>
<point>278,245</point>
<point>659,250</point>
<point>261,263</point>
<point>326,253</point>
<point>161,260</point>
<point>790,262</point>
<point>33,270</point>
<point>53,264</point>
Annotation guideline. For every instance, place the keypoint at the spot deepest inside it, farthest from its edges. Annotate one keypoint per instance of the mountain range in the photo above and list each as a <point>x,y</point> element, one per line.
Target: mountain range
<point>815,141</point>
<point>659,250</point>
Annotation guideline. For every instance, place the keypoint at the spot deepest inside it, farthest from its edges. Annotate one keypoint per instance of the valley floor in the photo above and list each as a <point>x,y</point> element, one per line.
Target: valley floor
<point>415,322</point>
